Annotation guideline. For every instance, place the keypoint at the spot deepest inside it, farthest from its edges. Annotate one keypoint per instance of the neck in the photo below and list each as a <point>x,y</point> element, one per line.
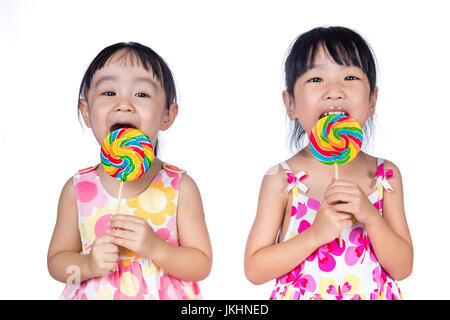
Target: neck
<point>360,159</point>
<point>130,188</point>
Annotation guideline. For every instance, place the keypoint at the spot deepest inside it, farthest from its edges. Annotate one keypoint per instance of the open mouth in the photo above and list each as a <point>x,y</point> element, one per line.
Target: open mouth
<point>333,112</point>
<point>121,125</point>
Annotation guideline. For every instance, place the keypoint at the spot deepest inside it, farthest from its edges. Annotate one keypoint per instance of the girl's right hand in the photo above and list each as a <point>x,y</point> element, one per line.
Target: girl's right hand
<point>103,257</point>
<point>329,223</point>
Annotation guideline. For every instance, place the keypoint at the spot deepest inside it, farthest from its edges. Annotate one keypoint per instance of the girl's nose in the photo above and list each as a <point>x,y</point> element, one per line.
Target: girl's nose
<point>124,106</point>
<point>334,92</point>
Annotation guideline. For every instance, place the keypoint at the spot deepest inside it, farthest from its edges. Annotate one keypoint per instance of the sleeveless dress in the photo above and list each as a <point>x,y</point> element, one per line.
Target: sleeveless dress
<point>134,277</point>
<point>330,272</point>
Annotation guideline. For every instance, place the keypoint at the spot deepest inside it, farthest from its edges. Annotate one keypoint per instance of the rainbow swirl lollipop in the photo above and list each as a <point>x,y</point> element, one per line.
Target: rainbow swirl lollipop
<point>335,139</point>
<point>126,154</point>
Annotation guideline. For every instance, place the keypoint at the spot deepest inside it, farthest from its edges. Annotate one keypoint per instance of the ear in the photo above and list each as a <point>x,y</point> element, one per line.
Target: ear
<point>169,116</point>
<point>289,104</point>
<point>373,101</point>
<point>84,109</point>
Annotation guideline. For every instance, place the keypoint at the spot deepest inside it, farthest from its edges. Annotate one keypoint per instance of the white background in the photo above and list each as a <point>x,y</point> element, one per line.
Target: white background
<point>227,59</point>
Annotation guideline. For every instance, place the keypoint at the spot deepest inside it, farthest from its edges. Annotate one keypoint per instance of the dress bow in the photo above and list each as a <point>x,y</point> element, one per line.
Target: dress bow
<point>295,181</point>
<point>383,176</point>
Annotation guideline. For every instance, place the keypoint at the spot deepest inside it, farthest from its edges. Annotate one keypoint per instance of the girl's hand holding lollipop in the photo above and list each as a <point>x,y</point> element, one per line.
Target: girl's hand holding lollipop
<point>336,139</point>
<point>126,154</point>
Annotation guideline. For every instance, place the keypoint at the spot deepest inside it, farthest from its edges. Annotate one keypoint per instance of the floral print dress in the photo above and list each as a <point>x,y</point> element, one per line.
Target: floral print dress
<point>331,272</point>
<point>135,277</point>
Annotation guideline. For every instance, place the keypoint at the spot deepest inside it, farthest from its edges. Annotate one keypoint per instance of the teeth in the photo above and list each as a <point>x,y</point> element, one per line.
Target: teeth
<point>333,112</point>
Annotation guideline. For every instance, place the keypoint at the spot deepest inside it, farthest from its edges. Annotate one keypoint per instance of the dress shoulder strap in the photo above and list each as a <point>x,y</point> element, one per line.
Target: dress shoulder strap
<point>171,168</point>
<point>285,167</point>
<point>88,169</point>
<point>294,181</point>
<point>173,174</point>
<point>383,175</point>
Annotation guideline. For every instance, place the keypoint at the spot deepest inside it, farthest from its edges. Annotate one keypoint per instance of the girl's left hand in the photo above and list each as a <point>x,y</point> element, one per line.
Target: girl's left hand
<point>133,233</point>
<point>347,196</point>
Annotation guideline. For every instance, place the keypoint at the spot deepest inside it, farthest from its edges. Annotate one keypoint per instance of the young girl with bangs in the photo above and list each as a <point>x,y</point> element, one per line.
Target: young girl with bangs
<point>302,209</point>
<point>158,246</point>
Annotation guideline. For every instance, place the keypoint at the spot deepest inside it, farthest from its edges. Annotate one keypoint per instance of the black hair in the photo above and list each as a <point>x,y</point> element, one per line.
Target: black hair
<point>149,59</point>
<point>344,46</point>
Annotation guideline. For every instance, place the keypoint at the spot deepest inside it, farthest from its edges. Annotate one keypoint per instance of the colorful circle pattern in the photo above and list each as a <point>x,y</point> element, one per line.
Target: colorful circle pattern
<point>126,154</point>
<point>335,138</point>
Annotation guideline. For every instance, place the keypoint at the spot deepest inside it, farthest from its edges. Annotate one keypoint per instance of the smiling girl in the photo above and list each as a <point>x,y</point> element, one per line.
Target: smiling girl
<point>158,247</point>
<point>302,209</point>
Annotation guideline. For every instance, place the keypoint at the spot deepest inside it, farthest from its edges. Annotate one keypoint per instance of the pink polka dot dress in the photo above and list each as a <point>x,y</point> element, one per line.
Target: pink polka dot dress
<point>135,277</point>
<point>331,272</point>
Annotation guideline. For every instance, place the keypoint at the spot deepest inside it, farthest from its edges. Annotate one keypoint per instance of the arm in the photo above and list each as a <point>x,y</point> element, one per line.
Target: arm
<point>65,245</point>
<point>266,260</point>
<point>191,261</point>
<point>389,234</point>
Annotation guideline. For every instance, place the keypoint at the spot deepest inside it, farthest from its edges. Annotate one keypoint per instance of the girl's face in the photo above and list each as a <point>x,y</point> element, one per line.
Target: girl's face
<point>330,87</point>
<point>124,94</point>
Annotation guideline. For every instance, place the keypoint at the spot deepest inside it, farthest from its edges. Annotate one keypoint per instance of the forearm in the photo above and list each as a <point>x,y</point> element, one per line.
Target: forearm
<point>393,252</point>
<point>278,259</point>
<point>185,263</point>
<point>67,264</point>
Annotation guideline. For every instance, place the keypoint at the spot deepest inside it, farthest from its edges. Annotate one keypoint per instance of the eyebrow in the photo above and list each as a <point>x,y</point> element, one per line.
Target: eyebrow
<point>136,79</point>
<point>103,79</point>
<point>147,80</point>
<point>318,66</point>
<point>321,66</point>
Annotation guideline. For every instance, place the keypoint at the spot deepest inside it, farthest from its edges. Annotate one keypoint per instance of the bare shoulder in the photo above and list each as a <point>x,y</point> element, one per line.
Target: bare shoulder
<point>272,203</point>
<point>389,165</point>
<point>67,205</point>
<point>275,179</point>
<point>273,198</point>
<point>67,193</point>
<point>188,185</point>
<point>395,179</point>
<point>189,198</point>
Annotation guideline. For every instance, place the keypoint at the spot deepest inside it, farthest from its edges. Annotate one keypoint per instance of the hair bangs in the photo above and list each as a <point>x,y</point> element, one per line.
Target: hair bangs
<point>343,45</point>
<point>134,54</point>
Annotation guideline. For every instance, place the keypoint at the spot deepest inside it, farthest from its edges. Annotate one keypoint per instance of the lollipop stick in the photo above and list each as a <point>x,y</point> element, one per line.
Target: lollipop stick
<point>117,211</point>
<point>336,176</point>
<point>119,196</point>
<point>336,172</point>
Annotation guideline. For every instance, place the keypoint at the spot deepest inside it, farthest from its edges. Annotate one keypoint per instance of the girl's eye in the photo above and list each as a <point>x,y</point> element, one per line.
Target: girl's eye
<point>351,78</point>
<point>109,93</point>
<point>142,95</point>
<point>315,79</point>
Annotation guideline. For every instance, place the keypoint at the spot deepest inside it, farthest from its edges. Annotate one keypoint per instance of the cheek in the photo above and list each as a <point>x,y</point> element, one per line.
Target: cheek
<point>364,112</point>
<point>151,130</point>
<point>307,112</point>
<point>307,126</point>
<point>98,110</point>
<point>97,121</point>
